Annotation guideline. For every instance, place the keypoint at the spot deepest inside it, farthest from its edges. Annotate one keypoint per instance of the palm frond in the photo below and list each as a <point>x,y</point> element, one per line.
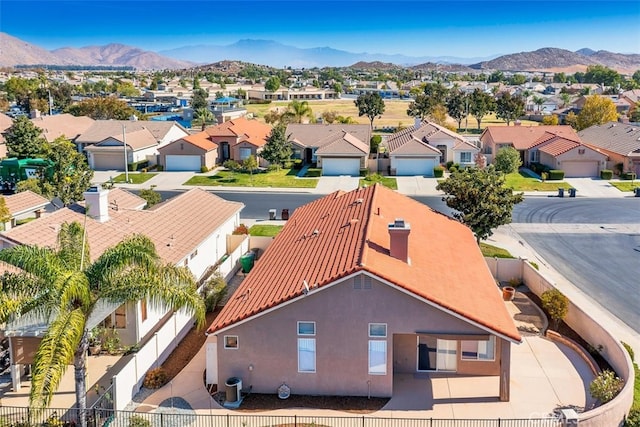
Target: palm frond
<point>74,291</point>
<point>54,355</point>
<point>23,293</point>
<point>70,245</point>
<point>136,250</point>
<point>42,263</point>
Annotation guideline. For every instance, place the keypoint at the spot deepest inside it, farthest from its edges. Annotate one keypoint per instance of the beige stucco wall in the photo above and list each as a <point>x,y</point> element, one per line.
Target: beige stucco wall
<point>572,156</point>
<point>207,159</point>
<point>235,150</point>
<point>342,315</point>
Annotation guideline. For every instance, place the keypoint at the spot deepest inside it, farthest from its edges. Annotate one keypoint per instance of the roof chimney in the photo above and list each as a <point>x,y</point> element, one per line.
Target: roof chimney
<point>399,240</point>
<point>97,203</point>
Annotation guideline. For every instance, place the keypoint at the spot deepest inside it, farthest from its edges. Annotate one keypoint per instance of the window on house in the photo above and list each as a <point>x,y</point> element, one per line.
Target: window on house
<point>378,330</point>
<point>306,328</point>
<point>478,350</point>
<point>231,341</point>
<point>377,357</point>
<point>465,157</point>
<point>143,309</point>
<point>117,319</point>
<point>306,354</point>
<point>535,156</point>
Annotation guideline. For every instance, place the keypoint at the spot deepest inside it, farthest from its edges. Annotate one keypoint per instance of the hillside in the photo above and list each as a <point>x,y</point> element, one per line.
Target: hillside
<point>14,51</point>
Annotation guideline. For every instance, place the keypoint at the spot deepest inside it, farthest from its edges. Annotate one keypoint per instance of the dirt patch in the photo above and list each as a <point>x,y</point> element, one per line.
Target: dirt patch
<point>256,402</point>
<point>187,349</point>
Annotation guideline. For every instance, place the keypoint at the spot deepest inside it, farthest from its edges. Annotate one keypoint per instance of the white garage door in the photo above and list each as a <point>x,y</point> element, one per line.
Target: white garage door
<point>580,169</point>
<point>108,161</point>
<point>183,163</point>
<point>342,166</point>
<point>416,166</point>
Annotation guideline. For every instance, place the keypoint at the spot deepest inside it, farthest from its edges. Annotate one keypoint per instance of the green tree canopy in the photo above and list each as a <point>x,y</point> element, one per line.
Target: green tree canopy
<point>508,160</point>
<point>597,110</point>
<point>24,139</point>
<point>103,108</point>
<point>199,99</point>
<point>602,75</point>
<point>370,105</point>
<point>272,84</point>
<point>457,104</point>
<point>480,198</point>
<point>151,196</point>
<point>297,111</point>
<point>509,108</point>
<point>61,285</point>
<point>71,173</point>
<point>480,105</point>
<point>277,150</point>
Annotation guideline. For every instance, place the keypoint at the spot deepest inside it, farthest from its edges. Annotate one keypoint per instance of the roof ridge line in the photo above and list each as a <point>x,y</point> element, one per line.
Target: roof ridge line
<point>367,229</point>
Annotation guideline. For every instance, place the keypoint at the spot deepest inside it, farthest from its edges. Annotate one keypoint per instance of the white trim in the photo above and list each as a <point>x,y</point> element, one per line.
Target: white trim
<point>478,359</point>
<point>377,336</point>
<point>306,335</point>
<point>315,355</point>
<point>386,357</point>
<point>229,347</point>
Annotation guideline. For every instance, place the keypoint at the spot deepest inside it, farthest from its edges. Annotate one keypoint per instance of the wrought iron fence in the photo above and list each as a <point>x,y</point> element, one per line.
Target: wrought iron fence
<point>175,417</point>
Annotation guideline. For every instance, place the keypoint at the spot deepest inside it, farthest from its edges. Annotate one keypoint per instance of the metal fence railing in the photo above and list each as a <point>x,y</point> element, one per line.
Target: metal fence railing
<point>176,417</point>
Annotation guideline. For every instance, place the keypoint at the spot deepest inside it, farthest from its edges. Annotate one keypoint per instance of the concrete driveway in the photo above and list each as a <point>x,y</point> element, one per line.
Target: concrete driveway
<point>595,187</point>
<point>329,184</point>
<point>417,186</point>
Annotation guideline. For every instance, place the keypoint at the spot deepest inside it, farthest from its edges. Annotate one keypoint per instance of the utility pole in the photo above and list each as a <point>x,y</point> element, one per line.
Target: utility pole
<point>126,160</point>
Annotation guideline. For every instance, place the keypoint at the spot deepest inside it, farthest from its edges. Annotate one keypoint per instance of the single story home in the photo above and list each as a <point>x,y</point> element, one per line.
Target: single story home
<point>239,138</point>
<point>66,125</point>
<point>360,286</point>
<point>189,153</point>
<point>22,205</point>
<point>621,142</point>
<point>112,152</point>
<point>339,149</point>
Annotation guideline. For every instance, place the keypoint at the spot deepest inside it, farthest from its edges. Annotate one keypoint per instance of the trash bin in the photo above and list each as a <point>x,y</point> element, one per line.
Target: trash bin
<point>637,191</point>
<point>285,214</point>
<point>560,192</point>
<point>233,388</point>
<point>272,214</point>
<point>246,261</point>
<point>572,192</point>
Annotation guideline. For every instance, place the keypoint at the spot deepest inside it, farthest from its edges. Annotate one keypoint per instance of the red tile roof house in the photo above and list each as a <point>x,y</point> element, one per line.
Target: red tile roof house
<point>558,147</point>
<point>621,142</point>
<point>190,153</point>
<point>348,296</point>
<point>143,138</point>
<point>337,149</point>
<point>239,138</point>
<point>112,216</point>
<point>417,150</point>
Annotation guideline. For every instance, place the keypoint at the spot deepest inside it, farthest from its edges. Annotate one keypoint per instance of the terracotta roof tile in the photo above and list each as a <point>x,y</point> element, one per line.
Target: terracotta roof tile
<point>344,233</point>
<point>5,122</point>
<point>562,145</point>
<point>252,131</point>
<point>66,125</point>
<point>200,140</point>
<point>164,225</point>
<point>524,137</point>
<point>25,201</point>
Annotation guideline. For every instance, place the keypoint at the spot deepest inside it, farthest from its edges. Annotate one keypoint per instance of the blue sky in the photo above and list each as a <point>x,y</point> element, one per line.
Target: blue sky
<point>415,27</point>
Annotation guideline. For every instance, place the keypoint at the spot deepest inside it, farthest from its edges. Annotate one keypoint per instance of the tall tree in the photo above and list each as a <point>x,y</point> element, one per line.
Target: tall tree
<point>103,108</point>
<point>297,111</point>
<point>480,198</point>
<point>566,99</point>
<point>61,285</point>
<point>277,150</point>
<point>272,84</point>
<point>481,104</point>
<point>199,99</point>
<point>71,174</point>
<point>457,106</point>
<point>538,101</point>
<point>596,111</point>
<point>509,108</point>
<point>370,105</point>
<point>420,107</point>
<point>203,116</point>
<point>24,139</point>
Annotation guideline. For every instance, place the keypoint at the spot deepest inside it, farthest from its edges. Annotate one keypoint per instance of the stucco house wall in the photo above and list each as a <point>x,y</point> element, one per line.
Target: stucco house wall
<point>207,158</point>
<point>573,155</point>
<point>267,353</point>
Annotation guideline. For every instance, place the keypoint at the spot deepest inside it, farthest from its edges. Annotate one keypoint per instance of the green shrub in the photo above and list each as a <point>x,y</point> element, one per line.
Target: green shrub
<point>628,176</point>
<point>204,169</point>
<point>556,175</point>
<point>136,166</point>
<point>364,172</point>
<point>232,165</point>
<point>214,291</point>
<point>449,164</point>
<point>160,168</point>
<point>633,419</point>
<point>273,167</point>
<point>374,143</point>
<point>629,350</point>
<point>556,304</point>
<point>539,168</point>
<point>438,172</point>
<point>297,164</point>
<point>288,164</point>
<point>606,174</point>
<point>155,378</point>
<point>605,386</point>
<point>139,421</point>
<point>534,265</point>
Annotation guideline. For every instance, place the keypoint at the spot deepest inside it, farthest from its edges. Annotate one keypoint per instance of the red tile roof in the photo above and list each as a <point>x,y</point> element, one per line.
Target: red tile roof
<point>524,137</point>
<point>165,224</point>
<point>561,146</point>
<point>251,131</point>
<point>24,201</point>
<point>200,140</point>
<point>344,233</point>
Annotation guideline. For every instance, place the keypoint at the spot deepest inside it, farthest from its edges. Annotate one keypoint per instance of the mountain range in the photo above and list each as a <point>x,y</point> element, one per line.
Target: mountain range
<point>14,51</point>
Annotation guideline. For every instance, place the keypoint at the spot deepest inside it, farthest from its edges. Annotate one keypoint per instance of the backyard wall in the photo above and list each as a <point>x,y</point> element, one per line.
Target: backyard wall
<point>614,412</point>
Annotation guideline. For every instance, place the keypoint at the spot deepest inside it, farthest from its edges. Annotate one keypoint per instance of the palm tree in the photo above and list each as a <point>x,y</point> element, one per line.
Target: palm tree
<point>298,110</point>
<point>61,285</point>
<point>566,99</point>
<point>538,101</point>
<point>204,115</point>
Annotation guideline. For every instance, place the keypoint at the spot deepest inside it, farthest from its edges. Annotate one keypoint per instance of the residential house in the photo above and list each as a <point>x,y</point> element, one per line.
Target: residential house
<point>289,94</point>
<point>239,138</point>
<point>338,149</point>
<point>558,147</point>
<point>190,153</point>
<point>621,142</point>
<point>417,150</point>
<point>622,103</point>
<point>66,125</point>
<point>23,205</point>
<point>357,288</point>
<point>143,139</point>
<point>109,217</point>
<point>227,108</point>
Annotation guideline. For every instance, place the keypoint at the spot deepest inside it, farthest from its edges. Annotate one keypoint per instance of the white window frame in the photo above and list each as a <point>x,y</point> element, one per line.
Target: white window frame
<point>303,346</point>
<point>377,346</point>
<point>462,154</point>
<point>228,347</point>
<point>478,358</point>
<point>534,157</point>
<point>313,334</point>
<point>377,336</point>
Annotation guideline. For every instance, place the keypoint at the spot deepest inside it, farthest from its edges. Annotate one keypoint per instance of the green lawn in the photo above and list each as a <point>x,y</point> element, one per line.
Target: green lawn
<point>636,388</point>
<point>522,182</point>
<point>387,181</point>
<point>494,251</point>
<point>313,173</point>
<point>266,230</point>
<point>134,177</point>
<point>279,178</point>
<point>625,185</point>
